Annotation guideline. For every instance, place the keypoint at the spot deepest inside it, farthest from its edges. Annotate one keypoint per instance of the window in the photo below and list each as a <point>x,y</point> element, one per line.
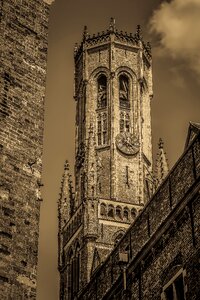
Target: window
<point>102,92</point>
<point>126,214</point>
<point>124,91</point>
<point>103,209</point>
<point>118,212</point>
<point>102,129</point>
<point>111,211</point>
<point>133,213</point>
<point>124,122</point>
<point>174,289</point>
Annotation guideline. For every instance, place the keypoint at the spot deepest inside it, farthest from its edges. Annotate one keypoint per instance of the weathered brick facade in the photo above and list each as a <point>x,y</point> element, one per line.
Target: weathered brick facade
<point>158,256</point>
<point>23,50</point>
<point>162,243</point>
<point>113,169</point>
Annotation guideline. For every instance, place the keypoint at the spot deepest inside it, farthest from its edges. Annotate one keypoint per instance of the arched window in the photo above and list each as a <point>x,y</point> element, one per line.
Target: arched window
<point>102,92</point>
<point>103,209</point>
<point>111,211</point>
<point>124,100</point>
<point>119,212</point>
<point>133,213</point>
<point>126,214</point>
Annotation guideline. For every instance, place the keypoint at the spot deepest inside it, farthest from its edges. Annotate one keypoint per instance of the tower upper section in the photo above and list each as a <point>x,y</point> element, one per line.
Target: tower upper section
<point>113,88</point>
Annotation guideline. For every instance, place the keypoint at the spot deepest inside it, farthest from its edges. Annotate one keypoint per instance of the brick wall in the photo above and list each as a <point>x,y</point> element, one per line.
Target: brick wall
<point>164,238</point>
<point>23,46</point>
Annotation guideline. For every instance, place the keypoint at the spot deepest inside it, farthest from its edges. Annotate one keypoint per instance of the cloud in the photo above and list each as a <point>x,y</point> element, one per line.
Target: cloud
<point>177,25</point>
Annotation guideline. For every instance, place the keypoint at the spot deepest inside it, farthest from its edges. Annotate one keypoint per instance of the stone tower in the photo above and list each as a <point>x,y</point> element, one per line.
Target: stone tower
<point>23,45</point>
<point>113,168</point>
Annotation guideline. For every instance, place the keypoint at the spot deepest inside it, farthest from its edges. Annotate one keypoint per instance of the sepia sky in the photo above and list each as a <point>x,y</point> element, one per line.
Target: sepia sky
<point>172,27</point>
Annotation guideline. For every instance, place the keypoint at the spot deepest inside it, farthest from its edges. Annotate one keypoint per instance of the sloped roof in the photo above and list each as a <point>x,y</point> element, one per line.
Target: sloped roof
<point>193,130</point>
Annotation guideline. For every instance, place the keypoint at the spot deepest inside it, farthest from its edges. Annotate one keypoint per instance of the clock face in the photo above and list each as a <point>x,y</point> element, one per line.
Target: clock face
<point>127,143</point>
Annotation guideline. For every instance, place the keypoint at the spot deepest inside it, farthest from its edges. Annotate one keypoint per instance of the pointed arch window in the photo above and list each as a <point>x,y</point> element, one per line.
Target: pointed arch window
<point>119,212</point>
<point>126,214</point>
<point>111,211</point>
<point>133,213</point>
<point>124,92</point>
<point>103,209</point>
<point>102,92</point>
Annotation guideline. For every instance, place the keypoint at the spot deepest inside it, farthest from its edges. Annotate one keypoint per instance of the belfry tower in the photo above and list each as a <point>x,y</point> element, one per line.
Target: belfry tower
<point>113,169</point>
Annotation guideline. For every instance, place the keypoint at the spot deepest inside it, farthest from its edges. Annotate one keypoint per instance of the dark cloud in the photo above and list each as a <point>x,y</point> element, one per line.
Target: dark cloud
<point>177,24</point>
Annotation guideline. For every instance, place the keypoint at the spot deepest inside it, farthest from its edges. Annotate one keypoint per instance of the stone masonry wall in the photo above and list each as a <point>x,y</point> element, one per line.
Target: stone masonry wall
<point>163,239</point>
<point>23,50</point>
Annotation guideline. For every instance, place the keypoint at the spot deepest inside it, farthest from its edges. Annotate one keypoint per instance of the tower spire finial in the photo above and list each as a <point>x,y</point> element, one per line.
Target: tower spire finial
<point>160,144</point>
<point>85,33</point>
<point>139,32</point>
<point>112,27</point>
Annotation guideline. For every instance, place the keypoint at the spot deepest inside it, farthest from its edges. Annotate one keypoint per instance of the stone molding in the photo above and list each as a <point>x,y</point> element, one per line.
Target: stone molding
<point>48,1</point>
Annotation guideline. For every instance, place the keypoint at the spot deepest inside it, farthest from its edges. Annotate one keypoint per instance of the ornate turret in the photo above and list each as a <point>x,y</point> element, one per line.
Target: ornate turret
<point>65,206</point>
<point>131,39</point>
<point>162,167</point>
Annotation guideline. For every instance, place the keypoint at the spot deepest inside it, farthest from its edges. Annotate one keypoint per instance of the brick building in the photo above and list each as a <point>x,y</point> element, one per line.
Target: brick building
<point>113,169</point>
<point>101,255</point>
<point>23,46</point>
<point>159,256</point>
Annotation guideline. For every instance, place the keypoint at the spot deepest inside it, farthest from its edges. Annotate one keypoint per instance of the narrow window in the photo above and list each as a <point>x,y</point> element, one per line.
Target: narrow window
<point>124,91</point>
<point>102,129</point>
<point>126,214</point>
<point>133,213</point>
<point>118,212</point>
<point>127,123</point>
<point>103,209</point>
<point>99,132</point>
<point>127,176</point>
<point>124,122</point>
<point>111,211</point>
<point>102,92</point>
<point>121,125</point>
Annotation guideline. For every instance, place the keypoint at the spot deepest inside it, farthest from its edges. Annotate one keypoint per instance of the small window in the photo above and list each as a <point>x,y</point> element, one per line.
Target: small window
<point>126,214</point>
<point>111,211</point>
<point>102,92</point>
<point>102,129</point>
<point>133,213</point>
<point>174,289</point>
<point>103,209</point>
<point>124,122</point>
<point>119,212</point>
<point>124,91</point>
<point>121,125</point>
